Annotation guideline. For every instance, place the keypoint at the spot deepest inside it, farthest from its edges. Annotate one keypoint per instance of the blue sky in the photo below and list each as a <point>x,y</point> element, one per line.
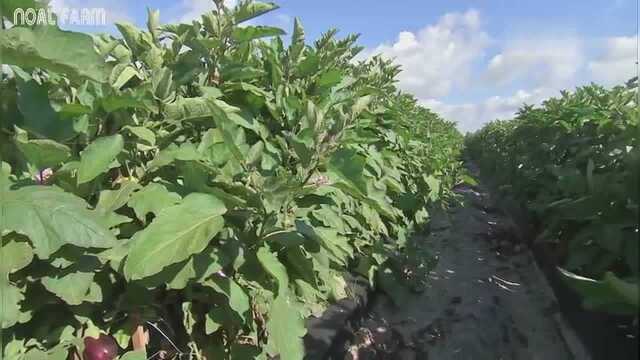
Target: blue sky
<point>471,61</point>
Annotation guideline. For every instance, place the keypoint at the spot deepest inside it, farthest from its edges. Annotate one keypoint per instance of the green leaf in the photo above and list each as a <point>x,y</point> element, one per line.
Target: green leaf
<point>15,255</point>
<point>121,74</point>
<point>136,40</point>
<point>248,33</point>
<point>238,299</point>
<point>97,156</point>
<point>52,218</point>
<point>611,293</point>
<point>153,24</point>
<point>134,355</point>
<point>10,298</point>
<point>250,9</point>
<point>286,329</point>
<point>48,47</point>
<point>214,320</point>
<point>275,268</point>
<point>175,234</point>
<point>198,268</point>
<point>153,198</point>
<point>330,78</point>
<point>347,166</point>
<point>73,288</point>
<point>112,200</point>
<point>285,238</point>
<point>43,153</point>
<point>143,134</point>
<point>188,109</point>
<point>303,144</point>
<point>39,118</point>
<point>297,40</point>
<point>434,187</point>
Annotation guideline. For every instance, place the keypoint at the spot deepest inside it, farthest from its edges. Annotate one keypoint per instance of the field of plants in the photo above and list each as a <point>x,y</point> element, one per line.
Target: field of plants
<point>207,186</point>
<point>575,163</point>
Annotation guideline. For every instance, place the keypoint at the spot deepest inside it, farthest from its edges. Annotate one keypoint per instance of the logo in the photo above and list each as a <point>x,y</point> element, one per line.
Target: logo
<point>62,16</point>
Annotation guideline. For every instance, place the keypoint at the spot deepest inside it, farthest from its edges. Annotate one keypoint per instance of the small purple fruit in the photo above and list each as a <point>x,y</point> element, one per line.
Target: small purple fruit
<point>102,348</point>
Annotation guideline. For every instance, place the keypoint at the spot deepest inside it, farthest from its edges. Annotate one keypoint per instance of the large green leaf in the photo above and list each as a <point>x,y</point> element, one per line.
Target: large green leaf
<point>48,47</point>
<point>51,218</point>
<point>347,166</point>
<point>153,198</point>
<point>10,298</point>
<point>39,118</point>
<point>112,200</point>
<point>611,293</point>
<point>238,299</point>
<point>188,109</point>
<point>248,33</point>
<point>97,157</point>
<point>43,153</point>
<point>286,329</point>
<point>14,255</point>
<point>73,288</point>
<point>275,268</point>
<point>174,235</point>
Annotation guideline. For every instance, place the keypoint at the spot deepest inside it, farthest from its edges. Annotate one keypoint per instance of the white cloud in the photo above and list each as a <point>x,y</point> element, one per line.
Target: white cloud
<point>617,63</point>
<point>441,61</point>
<point>471,116</point>
<point>438,57</point>
<point>541,61</point>
<point>192,9</point>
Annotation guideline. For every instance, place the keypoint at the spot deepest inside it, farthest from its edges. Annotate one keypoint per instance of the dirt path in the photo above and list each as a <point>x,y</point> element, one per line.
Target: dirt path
<point>485,299</point>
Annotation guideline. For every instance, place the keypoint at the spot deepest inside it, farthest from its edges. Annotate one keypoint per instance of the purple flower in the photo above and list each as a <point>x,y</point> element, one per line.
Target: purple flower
<point>44,175</point>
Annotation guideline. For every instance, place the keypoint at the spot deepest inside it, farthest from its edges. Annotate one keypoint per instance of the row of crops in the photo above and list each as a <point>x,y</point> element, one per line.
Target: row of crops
<point>208,184</point>
<point>575,163</point>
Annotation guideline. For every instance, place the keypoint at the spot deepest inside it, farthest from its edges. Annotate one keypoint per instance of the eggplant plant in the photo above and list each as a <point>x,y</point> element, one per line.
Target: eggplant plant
<point>575,162</point>
<point>204,182</point>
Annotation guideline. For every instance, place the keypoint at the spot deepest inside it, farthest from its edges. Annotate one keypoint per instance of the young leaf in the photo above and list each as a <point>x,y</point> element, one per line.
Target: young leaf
<point>250,9</point>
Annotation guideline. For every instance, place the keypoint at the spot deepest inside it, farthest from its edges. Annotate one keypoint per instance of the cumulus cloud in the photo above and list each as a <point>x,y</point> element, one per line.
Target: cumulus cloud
<point>438,57</point>
<point>537,60</point>
<point>471,116</point>
<point>617,63</point>
<point>440,66</point>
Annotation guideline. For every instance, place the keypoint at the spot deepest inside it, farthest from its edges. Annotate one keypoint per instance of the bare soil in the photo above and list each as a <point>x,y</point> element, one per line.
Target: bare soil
<point>485,299</point>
